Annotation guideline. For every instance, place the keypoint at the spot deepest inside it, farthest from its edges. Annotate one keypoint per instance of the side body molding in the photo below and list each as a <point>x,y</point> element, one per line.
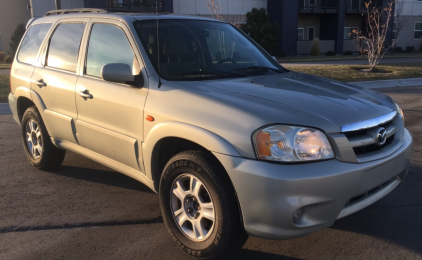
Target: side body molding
<point>205,138</point>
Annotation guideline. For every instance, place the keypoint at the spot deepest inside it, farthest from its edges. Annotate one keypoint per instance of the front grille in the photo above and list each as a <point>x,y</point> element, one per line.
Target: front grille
<point>372,148</point>
<point>365,141</point>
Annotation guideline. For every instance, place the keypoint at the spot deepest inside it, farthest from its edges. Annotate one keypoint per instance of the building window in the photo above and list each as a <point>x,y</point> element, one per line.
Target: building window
<point>395,30</point>
<point>311,33</point>
<point>418,30</point>
<point>348,33</point>
<point>312,2</point>
<point>300,34</point>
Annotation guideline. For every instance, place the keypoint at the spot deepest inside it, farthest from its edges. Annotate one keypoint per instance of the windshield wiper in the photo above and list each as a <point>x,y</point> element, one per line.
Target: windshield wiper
<point>259,68</point>
<point>211,73</point>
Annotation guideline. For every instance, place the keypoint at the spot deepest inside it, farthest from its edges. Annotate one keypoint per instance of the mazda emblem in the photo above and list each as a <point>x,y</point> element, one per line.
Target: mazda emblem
<point>381,136</point>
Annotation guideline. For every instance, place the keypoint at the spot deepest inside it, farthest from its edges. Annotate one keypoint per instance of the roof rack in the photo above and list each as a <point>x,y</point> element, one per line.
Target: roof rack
<point>77,10</point>
<point>99,11</point>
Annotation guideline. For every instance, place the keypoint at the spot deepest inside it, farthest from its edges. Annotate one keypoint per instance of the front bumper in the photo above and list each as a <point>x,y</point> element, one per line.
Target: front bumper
<point>270,193</point>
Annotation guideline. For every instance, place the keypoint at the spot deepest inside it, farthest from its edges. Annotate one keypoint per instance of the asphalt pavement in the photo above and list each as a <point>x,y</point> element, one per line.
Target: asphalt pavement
<point>4,72</point>
<point>5,109</point>
<point>84,210</point>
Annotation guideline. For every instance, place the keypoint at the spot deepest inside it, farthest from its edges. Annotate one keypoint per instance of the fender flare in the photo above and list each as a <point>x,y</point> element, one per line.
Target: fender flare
<point>210,141</point>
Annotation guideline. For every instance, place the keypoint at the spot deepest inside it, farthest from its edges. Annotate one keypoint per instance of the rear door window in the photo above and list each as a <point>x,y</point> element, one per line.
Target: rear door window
<point>108,44</point>
<point>32,42</point>
<point>64,46</point>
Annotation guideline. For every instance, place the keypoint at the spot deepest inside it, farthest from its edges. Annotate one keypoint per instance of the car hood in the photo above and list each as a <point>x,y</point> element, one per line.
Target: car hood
<point>327,100</point>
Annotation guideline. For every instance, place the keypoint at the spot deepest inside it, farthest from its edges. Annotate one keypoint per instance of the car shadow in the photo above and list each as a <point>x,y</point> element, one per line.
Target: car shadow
<point>395,218</point>
<point>245,254</point>
<point>106,177</point>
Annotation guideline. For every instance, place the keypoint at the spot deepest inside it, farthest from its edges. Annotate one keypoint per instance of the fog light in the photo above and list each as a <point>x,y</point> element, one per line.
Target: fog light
<point>298,215</point>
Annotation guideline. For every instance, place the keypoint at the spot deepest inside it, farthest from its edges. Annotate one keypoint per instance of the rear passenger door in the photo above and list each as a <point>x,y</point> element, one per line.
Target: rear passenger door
<point>110,123</point>
<point>55,78</point>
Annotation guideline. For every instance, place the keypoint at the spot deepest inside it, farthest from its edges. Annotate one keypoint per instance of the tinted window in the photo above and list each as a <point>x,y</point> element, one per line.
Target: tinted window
<point>32,42</point>
<point>64,46</point>
<point>107,44</point>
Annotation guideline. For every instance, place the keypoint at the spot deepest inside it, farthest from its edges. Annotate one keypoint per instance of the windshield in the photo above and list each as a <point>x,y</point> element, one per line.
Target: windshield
<point>199,50</point>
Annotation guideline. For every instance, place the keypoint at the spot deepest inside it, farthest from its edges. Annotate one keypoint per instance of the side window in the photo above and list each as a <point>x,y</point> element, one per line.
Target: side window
<point>32,42</point>
<point>64,46</point>
<point>108,44</point>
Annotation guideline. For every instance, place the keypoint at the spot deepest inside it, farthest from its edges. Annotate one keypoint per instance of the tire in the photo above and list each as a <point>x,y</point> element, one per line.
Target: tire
<point>213,198</point>
<point>37,144</point>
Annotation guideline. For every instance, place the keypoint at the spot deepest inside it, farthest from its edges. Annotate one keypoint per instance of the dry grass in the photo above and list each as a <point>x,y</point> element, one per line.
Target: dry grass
<point>4,88</point>
<point>350,73</point>
<point>323,57</point>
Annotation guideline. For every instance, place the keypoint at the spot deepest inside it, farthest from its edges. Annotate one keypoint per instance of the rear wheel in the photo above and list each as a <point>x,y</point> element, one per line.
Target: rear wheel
<point>199,206</point>
<point>37,144</point>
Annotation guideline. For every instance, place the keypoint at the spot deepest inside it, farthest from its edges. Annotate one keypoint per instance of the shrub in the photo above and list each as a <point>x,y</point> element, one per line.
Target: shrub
<point>1,55</point>
<point>8,59</point>
<point>16,38</point>
<point>331,53</point>
<point>315,47</point>
<point>259,27</point>
<point>348,53</point>
<point>410,48</point>
<point>398,49</point>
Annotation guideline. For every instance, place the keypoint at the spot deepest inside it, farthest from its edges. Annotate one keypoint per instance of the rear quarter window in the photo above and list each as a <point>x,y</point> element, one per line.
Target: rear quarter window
<point>64,46</point>
<point>32,42</point>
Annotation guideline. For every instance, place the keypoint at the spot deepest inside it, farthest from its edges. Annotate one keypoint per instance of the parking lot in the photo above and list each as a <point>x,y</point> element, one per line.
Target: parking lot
<point>84,210</point>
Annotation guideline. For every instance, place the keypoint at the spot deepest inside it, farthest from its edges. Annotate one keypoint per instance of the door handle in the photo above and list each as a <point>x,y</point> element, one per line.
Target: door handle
<point>40,83</point>
<point>85,94</point>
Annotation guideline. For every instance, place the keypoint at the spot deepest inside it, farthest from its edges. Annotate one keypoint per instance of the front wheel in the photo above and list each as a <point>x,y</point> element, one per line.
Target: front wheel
<point>199,206</point>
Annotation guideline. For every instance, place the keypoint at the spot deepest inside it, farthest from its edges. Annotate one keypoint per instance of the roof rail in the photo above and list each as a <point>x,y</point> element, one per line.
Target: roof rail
<point>77,10</point>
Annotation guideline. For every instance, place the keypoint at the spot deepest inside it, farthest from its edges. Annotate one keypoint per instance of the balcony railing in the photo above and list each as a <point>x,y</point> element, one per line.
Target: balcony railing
<point>318,4</point>
<point>137,5</point>
<point>355,4</point>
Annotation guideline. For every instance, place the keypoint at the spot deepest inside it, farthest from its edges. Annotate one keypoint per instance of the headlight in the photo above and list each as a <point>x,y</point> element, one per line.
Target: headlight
<point>291,144</point>
<point>399,109</point>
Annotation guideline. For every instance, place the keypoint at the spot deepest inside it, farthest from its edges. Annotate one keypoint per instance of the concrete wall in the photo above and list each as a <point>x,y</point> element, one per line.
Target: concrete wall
<point>1,45</point>
<point>12,12</point>
<point>41,7</point>
<point>304,47</point>
<point>228,7</point>
<point>406,36</point>
<point>411,13</point>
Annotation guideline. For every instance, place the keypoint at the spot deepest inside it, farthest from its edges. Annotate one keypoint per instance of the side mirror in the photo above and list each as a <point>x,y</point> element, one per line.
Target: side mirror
<point>117,72</point>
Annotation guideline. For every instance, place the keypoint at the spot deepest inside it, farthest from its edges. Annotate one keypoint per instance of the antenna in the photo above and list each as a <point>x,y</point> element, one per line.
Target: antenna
<point>158,45</point>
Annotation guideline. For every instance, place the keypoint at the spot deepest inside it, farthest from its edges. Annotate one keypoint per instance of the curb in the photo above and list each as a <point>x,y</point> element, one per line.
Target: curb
<point>388,83</point>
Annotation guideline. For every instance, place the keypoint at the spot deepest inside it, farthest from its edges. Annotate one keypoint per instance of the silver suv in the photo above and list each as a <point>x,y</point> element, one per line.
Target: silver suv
<point>233,143</point>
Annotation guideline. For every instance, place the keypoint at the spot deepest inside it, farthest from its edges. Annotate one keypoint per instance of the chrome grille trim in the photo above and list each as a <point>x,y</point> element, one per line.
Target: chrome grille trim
<point>373,122</point>
<point>370,137</point>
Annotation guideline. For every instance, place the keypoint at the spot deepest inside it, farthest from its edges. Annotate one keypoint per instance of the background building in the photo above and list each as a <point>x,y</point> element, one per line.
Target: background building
<point>11,14</point>
<point>300,20</point>
<point>409,14</point>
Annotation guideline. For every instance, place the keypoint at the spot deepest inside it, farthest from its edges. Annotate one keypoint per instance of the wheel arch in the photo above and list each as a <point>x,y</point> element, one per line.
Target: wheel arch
<point>169,138</point>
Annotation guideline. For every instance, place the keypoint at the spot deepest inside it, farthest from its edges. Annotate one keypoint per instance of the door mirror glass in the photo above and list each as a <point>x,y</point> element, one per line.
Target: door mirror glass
<point>117,72</point>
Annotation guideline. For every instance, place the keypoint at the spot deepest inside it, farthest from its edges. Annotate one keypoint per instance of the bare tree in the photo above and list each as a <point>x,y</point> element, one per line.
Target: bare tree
<point>401,19</point>
<point>372,42</point>
<point>215,9</point>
